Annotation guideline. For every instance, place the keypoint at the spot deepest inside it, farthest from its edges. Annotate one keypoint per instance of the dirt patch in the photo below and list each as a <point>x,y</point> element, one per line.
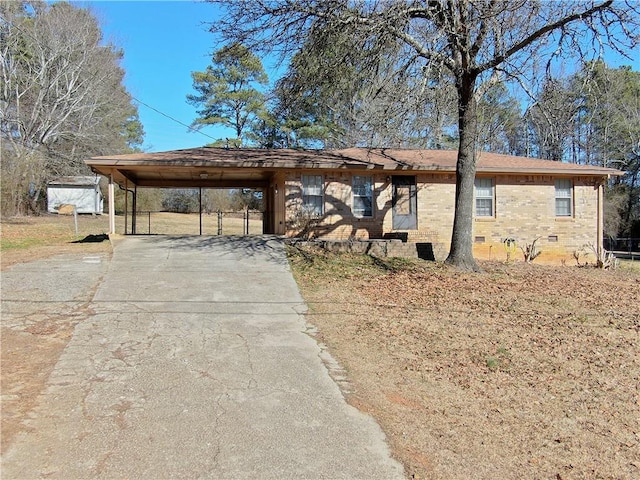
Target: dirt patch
<point>30,352</point>
<point>525,371</point>
<point>28,355</point>
<point>27,361</point>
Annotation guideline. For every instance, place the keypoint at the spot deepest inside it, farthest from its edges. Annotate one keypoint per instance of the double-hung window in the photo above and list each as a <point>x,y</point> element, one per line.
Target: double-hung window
<point>312,199</point>
<point>484,197</point>
<point>564,197</point>
<point>362,189</point>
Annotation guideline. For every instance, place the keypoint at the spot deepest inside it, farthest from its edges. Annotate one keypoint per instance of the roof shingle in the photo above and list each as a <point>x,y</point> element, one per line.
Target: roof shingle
<point>350,158</point>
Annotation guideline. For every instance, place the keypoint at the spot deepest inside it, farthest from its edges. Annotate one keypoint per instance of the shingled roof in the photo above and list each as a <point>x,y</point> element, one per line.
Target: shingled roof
<point>250,164</point>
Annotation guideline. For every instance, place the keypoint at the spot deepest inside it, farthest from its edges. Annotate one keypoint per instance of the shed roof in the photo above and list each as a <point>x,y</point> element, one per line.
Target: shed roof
<point>206,165</point>
<point>76,181</point>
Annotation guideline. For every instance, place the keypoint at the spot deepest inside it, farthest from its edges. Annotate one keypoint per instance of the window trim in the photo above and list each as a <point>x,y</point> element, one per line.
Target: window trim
<point>305,186</point>
<point>491,197</point>
<point>570,197</point>
<point>370,196</point>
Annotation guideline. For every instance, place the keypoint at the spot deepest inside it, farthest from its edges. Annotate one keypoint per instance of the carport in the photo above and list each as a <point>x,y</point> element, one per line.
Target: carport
<point>209,167</point>
<point>198,168</point>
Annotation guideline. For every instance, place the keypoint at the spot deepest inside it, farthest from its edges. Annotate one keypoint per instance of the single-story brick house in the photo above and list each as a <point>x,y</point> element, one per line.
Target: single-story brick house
<point>360,193</point>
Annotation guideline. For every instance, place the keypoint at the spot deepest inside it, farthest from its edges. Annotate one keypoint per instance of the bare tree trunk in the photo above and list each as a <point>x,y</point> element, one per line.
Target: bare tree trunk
<point>461,250</point>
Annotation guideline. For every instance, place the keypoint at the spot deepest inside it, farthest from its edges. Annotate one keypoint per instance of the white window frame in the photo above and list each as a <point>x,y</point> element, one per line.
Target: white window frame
<point>362,187</point>
<point>484,189</point>
<point>313,194</point>
<point>563,204</point>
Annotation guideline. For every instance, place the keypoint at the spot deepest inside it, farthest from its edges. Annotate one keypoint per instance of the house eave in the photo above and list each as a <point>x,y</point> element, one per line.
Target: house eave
<point>597,172</point>
<point>232,167</point>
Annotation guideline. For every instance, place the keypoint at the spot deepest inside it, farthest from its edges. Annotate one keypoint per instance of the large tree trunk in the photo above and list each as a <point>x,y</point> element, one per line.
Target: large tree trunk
<point>461,251</point>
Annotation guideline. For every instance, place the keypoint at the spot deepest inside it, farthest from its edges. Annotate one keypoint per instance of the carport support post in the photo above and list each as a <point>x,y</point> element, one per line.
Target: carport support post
<point>112,206</point>
<point>200,200</point>
<point>134,228</point>
<point>126,205</point>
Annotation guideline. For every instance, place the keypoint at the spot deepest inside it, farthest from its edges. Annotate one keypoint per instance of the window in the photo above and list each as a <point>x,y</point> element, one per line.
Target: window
<point>484,197</point>
<point>564,197</point>
<point>312,201</point>
<point>362,196</point>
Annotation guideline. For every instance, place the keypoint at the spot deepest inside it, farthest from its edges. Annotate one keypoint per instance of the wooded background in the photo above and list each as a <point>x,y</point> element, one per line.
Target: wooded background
<point>368,74</point>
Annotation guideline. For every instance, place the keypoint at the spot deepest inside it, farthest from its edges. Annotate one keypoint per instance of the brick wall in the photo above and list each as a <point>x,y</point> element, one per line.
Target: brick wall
<point>338,221</point>
<point>524,209</point>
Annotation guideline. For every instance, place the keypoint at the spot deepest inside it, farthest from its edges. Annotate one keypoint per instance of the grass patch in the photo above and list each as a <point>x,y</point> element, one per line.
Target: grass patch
<point>629,265</point>
<point>493,363</point>
<point>21,243</point>
<point>28,238</point>
<point>318,263</point>
<point>451,361</point>
<point>500,360</point>
<point>25,241</point>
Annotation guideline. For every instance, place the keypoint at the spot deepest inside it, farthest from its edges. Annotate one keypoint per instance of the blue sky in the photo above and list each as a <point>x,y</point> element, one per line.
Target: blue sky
<point>163,42</point>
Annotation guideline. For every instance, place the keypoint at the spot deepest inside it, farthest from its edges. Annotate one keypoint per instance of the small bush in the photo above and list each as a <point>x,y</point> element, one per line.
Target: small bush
<point>530,251</point>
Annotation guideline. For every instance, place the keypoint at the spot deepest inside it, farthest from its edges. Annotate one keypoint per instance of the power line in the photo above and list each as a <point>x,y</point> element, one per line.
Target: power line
<point>47,47</point>
<point>173,119</point>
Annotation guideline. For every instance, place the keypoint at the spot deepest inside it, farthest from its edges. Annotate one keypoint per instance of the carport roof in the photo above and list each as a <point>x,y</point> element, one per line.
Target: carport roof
<point>246,167</point>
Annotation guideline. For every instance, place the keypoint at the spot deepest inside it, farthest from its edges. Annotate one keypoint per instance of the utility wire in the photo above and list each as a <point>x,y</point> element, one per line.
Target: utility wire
<point>189,127</point>
<point>173,119</point>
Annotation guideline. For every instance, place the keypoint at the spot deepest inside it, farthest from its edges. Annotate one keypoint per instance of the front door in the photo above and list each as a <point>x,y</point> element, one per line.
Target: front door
<point>404,203</point>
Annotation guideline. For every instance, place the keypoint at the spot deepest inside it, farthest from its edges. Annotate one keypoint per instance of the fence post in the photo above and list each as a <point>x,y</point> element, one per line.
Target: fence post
<point>149,214</point>
<point>219,222</point>
<point>75,218</point>
<point>246,221</point>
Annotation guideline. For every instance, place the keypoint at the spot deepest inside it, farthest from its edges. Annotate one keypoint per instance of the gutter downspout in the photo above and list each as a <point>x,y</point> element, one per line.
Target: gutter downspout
<point>96,196</point>
<point>126,207</point>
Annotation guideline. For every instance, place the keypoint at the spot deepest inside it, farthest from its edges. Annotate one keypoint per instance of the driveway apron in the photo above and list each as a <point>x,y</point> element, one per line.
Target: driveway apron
<point>196,364</point>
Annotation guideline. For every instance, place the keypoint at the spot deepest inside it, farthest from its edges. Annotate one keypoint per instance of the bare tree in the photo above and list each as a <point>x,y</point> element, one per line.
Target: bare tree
<point>611,106</point>
<point>499,121</point>
<point>478,42</point>
<point>61,97</point>
<point>359,99</point>
<point>552,118</point>
<point>592,117</point>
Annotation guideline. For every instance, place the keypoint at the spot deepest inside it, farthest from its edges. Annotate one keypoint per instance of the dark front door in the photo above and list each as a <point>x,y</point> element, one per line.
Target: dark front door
<point>404,203</point>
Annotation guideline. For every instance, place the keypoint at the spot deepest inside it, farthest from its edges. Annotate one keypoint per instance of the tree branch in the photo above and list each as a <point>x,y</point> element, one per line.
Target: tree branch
<point>498,59</point>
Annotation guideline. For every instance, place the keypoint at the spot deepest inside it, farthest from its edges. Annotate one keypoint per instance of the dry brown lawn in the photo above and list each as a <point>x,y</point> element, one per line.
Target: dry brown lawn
<point>29,238</point>
<point>524,371</point>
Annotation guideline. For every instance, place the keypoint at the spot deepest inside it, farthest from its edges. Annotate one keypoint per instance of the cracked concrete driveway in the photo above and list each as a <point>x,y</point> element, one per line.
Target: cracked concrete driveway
<point>195,363</point>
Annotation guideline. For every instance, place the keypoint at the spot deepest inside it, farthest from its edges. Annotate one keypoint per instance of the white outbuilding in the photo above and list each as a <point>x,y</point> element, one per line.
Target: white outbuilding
<point>82,192</point>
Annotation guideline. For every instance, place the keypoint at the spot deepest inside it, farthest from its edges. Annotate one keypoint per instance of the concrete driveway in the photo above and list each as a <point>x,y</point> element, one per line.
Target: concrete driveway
<point>196,364</point>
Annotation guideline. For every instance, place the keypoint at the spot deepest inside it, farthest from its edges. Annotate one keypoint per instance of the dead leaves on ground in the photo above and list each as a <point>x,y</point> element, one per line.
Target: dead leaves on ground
<point>523,371</point>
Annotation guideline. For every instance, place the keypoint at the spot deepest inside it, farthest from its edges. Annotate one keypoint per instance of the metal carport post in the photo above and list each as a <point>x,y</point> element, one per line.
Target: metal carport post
<point>112,206</point>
